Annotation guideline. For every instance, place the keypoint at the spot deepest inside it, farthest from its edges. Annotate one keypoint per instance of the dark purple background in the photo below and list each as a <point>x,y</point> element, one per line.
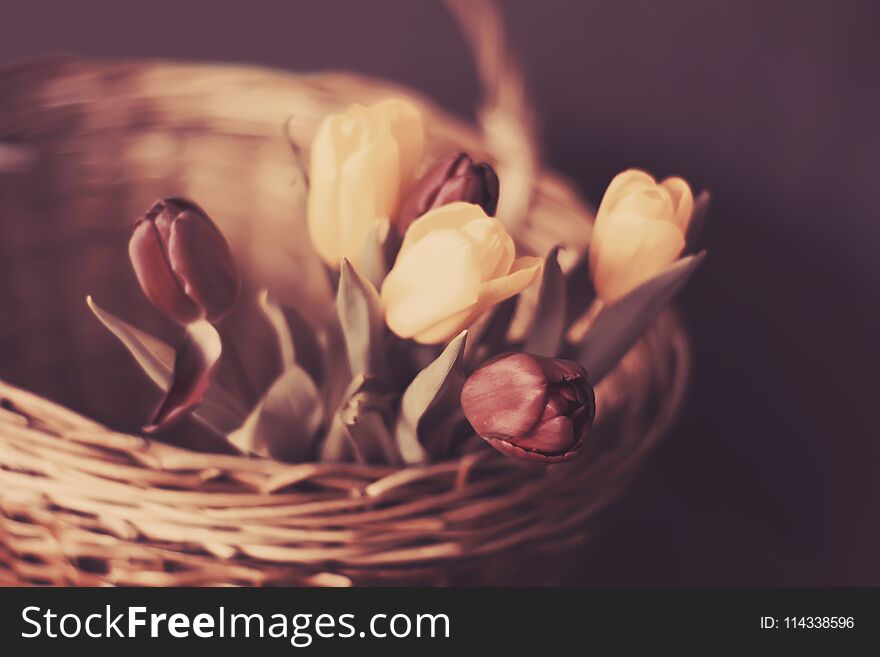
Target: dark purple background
<point>771,476</point>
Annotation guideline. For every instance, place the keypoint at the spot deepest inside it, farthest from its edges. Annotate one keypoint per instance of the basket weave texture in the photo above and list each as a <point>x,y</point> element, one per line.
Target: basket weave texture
<point>83,504</point>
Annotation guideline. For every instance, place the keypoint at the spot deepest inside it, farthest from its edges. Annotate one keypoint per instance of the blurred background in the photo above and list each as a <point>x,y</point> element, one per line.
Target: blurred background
<point>772,474</point>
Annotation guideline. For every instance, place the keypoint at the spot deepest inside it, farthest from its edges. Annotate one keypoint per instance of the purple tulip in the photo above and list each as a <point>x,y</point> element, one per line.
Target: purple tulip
<point>530,407</point>
<point>183,262</point>
<point>452,178</point>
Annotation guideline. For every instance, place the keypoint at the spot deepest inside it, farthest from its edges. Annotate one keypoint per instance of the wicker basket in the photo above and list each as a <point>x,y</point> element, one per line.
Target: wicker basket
<point>83,504</point>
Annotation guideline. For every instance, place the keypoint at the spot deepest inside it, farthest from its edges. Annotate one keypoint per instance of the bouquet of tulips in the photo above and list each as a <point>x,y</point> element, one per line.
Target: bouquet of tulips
<point>416,360</point>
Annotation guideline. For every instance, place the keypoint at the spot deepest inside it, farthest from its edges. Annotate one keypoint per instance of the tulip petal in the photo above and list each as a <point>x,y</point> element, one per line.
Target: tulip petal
<point>521,454</point>
<point>633,250</point>
<point>682,201</point>
<point>156,276</point>
<point>623,183</point>
<point>650,202</point>
<point>201,258</point>
<point>557,370</point>
<point>523,273</point>
<point>368,189</point>
<point>361,160</point>
<point>440,332</point>
<point>221,412</point>
<point>423,194</point>
<point>434,279</point>
<point>194,367</point>
<point>405,124</point>
<point>323,199</point>
<point>493,246</point>
<point>454,216</point>
<point>491,189</point>
<point>505,397</point>
<point>555,436</point>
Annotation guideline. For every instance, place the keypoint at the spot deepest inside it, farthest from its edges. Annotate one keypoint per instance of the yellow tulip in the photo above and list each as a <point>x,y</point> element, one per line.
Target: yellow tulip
<point>361,162</point>
<point>640,230</point>
<point>455,263</point>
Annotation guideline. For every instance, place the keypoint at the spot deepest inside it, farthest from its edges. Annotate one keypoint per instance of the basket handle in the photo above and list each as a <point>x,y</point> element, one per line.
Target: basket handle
<point>506,116</point>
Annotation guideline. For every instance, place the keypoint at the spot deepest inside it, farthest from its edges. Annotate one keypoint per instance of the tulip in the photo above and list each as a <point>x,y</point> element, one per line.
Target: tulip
<point>362,160</point>
<point>640,230</point>
<point>451,178</point>
<point>454,264</point>
<point>183,262</point>
<point>530,407</point>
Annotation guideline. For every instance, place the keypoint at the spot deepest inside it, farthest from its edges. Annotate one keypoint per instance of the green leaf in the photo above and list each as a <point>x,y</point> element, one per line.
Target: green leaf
<point>286,421</point>
<point>363,324</point>
<point>434,390</point>
<point>617,326</point>
<point>548,326</point>
<point>374,262</point>
<point>220,411</point>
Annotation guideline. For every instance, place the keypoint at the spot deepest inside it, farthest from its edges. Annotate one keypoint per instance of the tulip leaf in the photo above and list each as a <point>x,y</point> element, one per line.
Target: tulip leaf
<point>341,443</point>
<point>195,364</point>
<point>579,290</point>
<point>374,262</point>
<point>370,435</point>
<point>617,326</point>
<point>363,326</point>
<point>295,338</point>
<point>337,446</point>
<point>286,420</point>
<point>435,388</point>
<point>220,410</point>
<point>493,336</point>
<point>283,336</point>
<point>548,326</point>
<point>337,376</point>
<point>363,416</point>
<point>698,220</point>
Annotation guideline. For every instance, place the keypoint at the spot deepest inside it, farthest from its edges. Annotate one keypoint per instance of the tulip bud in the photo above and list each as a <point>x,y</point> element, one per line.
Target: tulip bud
<point>451,178</point>
<point>183,262</point>
<point>362,160</point>
<point>530,407</point>
<point>640,230</point>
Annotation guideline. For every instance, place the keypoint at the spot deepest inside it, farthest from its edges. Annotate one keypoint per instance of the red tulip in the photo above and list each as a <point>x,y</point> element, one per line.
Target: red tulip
<point>183,262</point>
<point>450,179</point>
<point>530,407</point>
